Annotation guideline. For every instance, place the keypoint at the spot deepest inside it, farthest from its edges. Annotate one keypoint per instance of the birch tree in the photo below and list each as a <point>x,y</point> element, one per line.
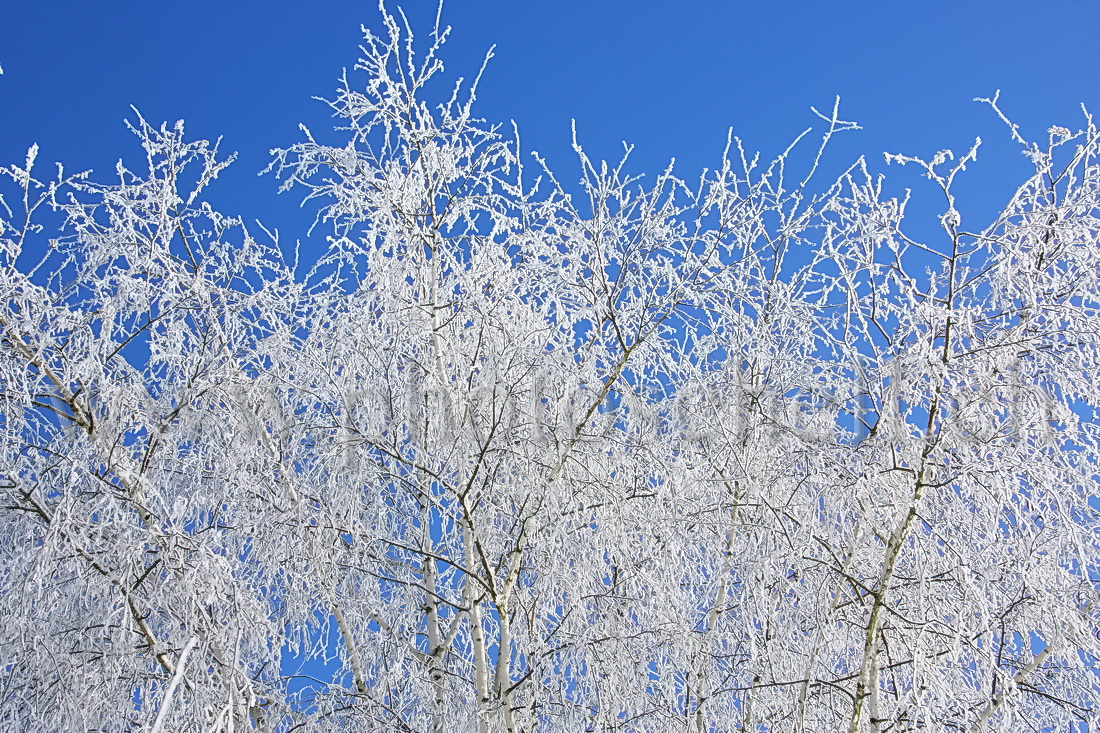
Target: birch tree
<point>518,454</point>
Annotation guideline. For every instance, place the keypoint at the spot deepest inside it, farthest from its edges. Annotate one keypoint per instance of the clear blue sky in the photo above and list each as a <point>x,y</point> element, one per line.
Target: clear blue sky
<point>670,77</point>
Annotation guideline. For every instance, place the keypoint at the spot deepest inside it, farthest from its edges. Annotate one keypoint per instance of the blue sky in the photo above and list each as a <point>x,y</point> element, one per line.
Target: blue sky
<point>668,77</point>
